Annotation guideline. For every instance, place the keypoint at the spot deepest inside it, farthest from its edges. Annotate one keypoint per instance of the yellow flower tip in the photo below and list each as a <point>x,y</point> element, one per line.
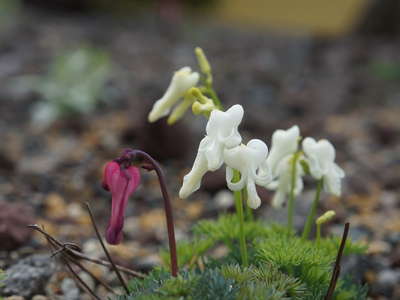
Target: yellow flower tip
<point>197,108</point>
<point>195,92</point>
<point>203,61</point>
<point>325,217</point>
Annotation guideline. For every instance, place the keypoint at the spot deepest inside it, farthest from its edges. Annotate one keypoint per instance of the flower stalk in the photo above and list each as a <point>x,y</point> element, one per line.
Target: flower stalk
<point>149,163</point>
<point>292,190</point>
<point>238,195</point>
<point>313,210</point>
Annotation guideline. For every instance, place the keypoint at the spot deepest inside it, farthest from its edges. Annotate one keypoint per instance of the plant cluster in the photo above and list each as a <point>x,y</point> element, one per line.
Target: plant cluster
<point>235,256</point>
<point>259,260</point>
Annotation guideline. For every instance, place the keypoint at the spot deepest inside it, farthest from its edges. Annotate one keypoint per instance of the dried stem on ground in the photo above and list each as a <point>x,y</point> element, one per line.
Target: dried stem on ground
<point>336,269</point>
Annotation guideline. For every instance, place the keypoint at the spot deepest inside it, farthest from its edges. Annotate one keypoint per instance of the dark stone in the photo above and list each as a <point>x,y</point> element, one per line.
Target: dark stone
<point>28,276</point>
<point>14,218</point>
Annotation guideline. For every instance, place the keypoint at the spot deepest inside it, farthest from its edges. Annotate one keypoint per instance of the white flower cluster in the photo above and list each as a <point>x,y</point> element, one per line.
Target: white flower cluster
<point>222,144</point>
<point>278,171</point>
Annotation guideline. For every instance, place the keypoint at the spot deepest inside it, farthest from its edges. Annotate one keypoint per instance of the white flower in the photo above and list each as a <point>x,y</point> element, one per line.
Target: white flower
<point>222,132</point>
<point>249,160</point>
<point>181,82</point>
<point>283,184</point>
<point>320,158</point>
<point>284,146</point>
<point>284,143</point>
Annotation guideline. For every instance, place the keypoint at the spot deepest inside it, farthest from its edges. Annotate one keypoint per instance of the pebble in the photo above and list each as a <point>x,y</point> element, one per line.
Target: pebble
<point>69,289</point>
<point>39,297</point>
<point>224,199</point>
<point>56,207</point>
<point>87,279</point>
<point>387,280</point>
<point>28,276</point>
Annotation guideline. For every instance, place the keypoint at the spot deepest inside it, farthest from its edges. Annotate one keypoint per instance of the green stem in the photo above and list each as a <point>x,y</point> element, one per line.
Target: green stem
<point>313,211</point>
<point>240,215</point>
<point>292,190</point>
<point>248,211</point>
<point>214,96</point>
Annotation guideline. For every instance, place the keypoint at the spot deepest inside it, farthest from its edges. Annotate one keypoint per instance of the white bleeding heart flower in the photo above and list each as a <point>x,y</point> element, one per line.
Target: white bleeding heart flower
<point>321,160</point>
<point>283,184</point>
<point>249,160</point>
<point>181,82</point>
<point>284,143</point>
<point>222,132</point>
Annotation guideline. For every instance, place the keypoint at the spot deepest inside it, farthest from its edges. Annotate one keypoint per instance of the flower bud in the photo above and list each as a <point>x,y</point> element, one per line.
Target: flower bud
<point>121,182</point>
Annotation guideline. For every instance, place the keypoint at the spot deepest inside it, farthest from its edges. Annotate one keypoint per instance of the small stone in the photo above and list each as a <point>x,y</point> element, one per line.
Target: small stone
<point>14,218</point>
<point>69,289</point>
<point>28,276</point>
<point>87,279</point>
<point>224,199</point>
<point>387,281</point>
<point>148,262</point>
<point>194,209</point>
<point>378,247</point>
<point>92,248</point>
<point>153,222</point>
<point>14,298</point>
<point>39,297</point>
<point>55,206</point>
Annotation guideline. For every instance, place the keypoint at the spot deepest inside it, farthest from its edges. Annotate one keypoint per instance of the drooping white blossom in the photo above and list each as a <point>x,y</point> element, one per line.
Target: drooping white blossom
<point>249,160</point>
<point>181,82</point>
<point>280,163</point>
<point>284,143</point>
<point>221,133</point>
<point>321,160</point>
<point>283,183</point>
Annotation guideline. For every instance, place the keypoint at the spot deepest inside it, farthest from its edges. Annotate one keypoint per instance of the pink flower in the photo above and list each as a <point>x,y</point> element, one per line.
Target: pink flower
<point>121,182</point>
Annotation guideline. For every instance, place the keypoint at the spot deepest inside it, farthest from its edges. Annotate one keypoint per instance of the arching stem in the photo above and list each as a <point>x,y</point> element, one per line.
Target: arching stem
<point>152,164</point>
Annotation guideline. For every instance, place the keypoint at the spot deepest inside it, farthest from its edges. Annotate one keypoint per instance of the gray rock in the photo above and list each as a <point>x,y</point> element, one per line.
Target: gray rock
<point>387,280</point>
<point>69,289</point>
<point>28,276</point>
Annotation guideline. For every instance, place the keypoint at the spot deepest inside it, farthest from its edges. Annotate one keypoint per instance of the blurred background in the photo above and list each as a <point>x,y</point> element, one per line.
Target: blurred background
<point>78,78</point>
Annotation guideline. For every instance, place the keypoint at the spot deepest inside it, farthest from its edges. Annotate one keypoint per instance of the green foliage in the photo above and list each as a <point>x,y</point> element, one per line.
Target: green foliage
<point>386,71</point>
<point>74,84</point>
<point>188,251</point>
<point>9,13</point>
<point>282,266</point>
<point>2,278</point>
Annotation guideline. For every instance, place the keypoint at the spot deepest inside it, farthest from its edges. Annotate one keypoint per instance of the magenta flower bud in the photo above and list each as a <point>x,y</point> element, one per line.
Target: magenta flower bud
<point>121,182</point>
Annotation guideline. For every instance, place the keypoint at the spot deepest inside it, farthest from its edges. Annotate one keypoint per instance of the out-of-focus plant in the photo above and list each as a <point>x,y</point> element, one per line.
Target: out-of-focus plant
<point>74,84</point>
<point>9,10</point>
<point>385,70</point>
<point>2,277</point>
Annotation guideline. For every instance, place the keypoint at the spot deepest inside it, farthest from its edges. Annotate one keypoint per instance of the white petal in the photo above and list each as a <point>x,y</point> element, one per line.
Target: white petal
<point>247,159</point>
<point>332,180</point>
<point>192,180</point>
<point>253,200</point>
<point>283,184</point>
<point>223,126</point>
<point>284,143</point>
<point>278,199</point>
<point>321,156</point>
<point>181,82</point>
<point>222,131</point>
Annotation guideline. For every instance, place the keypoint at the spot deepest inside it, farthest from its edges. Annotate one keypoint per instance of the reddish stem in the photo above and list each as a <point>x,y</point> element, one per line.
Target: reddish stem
<point>132,154</point>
